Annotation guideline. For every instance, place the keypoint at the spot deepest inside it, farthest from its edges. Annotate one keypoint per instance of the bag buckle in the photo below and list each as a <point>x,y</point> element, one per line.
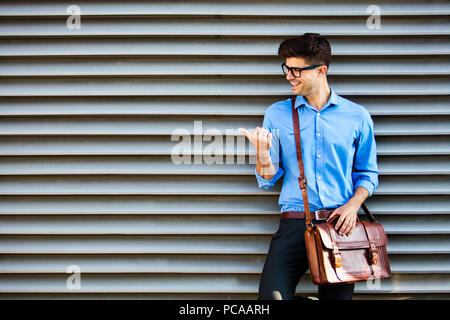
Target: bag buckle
<point>373,254</point>
<point>303,182</point>
<point>337,258</point>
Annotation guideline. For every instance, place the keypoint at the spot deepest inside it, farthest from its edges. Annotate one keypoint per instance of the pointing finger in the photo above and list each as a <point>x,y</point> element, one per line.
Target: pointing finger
<point>245,132</point>
<point>269,144</point>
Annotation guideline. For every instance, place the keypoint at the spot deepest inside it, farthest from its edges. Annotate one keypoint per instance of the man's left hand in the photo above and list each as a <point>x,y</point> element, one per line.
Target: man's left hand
<point>346,223</point>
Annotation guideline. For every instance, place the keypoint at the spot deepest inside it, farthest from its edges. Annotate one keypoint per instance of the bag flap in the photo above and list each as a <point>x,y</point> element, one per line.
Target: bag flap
<point>358,238</point>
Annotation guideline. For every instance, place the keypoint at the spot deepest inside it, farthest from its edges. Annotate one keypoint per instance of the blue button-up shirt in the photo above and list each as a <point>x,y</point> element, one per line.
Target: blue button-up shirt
<point>339,152</point>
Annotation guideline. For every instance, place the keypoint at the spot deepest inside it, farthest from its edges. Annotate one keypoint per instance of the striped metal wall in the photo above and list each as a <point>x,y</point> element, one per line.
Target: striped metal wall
<point>86,117</point>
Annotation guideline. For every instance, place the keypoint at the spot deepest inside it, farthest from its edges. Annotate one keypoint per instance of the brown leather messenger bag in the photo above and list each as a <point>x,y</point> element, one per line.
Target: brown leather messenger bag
<point>334,258</point>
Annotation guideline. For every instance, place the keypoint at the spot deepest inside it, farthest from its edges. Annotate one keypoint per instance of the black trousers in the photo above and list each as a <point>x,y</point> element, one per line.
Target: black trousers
<point>287,262</point>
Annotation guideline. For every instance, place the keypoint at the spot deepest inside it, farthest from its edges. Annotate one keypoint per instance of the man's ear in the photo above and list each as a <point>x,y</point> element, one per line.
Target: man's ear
<point>323,70</point>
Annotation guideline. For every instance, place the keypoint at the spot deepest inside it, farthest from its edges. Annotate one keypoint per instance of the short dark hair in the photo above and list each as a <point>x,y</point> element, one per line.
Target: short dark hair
<point>314,48</point>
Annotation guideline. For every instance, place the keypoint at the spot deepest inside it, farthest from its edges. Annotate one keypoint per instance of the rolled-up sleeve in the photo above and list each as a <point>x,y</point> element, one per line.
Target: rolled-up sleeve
<point>365,167</point>
<point>275,154</point>
<point>267,184</point>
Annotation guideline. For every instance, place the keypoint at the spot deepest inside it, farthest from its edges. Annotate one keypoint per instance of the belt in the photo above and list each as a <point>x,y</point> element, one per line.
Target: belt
<point>316,215</point>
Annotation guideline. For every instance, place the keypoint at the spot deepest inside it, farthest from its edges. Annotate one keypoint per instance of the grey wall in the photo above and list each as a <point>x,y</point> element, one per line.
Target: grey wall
<point>86,120</point>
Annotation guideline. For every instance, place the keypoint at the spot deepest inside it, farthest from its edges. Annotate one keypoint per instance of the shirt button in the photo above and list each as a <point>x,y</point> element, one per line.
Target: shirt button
<point>318,134</point>
<point>318,156</point>
<point>318,114</point>
<point>318,177</point>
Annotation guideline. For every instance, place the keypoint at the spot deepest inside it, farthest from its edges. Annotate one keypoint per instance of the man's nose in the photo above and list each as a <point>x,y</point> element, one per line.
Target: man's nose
<point>289,75</point>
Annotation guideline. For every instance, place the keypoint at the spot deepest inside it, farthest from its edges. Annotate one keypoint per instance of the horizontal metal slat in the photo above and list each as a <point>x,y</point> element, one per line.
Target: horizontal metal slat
<point>213,86</point>
<point>233,264</point>
<point>148,204</point>
<point>402,296</point>
<point>194,66</point>
<point>130,296</point>
<point>192,224</point>
<point>200,264</point>
<point>223,106</point>
<point>391,125</point>
<point>143,164</point>
<point>413,164</point>
<point>27,283</point>
<point>251,8</point>
<point>370,45</point>
<point>135,184</point>
<point>186,125</point>
<point>117,165</point>
<point>223,25</point>
<point>184,184</point>
<point>201,204</point>
<point>188,244</point>
<point>162,145</point>
<point>210,295</point>
<point>412,145</point>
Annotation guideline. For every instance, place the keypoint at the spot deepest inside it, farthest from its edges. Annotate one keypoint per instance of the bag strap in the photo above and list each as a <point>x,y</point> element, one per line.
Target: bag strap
<point>374,254</point>
<point>302,178</point>
<point>368,214</point>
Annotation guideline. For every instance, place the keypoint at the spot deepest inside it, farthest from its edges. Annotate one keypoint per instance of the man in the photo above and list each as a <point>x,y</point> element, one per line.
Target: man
<point>339,155</point>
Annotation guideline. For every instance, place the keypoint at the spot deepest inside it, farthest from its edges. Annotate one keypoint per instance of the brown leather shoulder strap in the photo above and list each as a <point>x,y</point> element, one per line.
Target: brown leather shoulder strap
<point>367,212</point>
<point>302,178</point>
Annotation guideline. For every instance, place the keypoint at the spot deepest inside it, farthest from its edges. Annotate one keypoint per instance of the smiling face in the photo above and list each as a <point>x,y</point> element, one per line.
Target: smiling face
<point>309,81</point>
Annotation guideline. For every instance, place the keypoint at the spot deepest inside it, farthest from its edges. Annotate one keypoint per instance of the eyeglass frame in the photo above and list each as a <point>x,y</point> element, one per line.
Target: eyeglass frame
<point>298,69</point>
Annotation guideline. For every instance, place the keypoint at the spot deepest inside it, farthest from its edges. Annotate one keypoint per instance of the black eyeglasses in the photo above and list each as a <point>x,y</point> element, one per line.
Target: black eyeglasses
<point>296,72</point>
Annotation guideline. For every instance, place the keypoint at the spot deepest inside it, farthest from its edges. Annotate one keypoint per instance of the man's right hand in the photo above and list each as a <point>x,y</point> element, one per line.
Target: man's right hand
<point>262,140</point>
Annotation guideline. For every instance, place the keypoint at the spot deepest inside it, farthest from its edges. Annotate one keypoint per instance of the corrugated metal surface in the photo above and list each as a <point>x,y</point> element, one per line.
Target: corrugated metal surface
<point>86,118</point>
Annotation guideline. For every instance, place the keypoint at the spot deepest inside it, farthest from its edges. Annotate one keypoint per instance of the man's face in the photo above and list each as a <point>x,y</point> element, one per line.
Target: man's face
<point>308,82</point>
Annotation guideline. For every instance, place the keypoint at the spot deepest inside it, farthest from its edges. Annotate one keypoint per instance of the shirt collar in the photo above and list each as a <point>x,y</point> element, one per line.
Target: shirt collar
<point>332,100</point>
